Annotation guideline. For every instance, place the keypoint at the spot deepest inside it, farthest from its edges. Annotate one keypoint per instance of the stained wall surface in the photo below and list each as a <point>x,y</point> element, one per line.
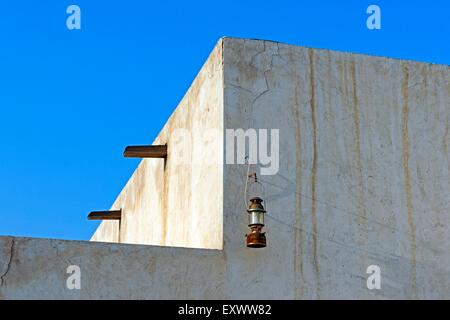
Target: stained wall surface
<point>178,201</point>
<point>364,175</point>
<point>38,269</point>
<point>364,179</point>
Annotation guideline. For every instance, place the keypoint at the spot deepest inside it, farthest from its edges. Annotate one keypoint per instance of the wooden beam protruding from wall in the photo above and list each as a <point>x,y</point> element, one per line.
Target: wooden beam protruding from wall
<point>105,215</point>
<point>157,151</point>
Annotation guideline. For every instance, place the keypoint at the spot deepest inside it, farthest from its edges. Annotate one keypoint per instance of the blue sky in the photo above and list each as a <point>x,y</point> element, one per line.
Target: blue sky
<point>71,100</point>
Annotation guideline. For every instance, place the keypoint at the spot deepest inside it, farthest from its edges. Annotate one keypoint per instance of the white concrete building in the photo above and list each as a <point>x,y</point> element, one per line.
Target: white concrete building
<point>363,179</point>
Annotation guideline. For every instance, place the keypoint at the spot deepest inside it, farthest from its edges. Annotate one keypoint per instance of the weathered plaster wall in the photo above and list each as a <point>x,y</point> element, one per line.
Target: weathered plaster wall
<point>364,179</point>
<point>179,202</point>
<point>364,173</point>
<point>37,269</point>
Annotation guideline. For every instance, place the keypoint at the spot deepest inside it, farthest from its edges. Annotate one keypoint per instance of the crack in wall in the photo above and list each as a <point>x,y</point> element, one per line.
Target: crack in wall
<point>265,73</point>
<point>239,87</point>
<point>8,265</point>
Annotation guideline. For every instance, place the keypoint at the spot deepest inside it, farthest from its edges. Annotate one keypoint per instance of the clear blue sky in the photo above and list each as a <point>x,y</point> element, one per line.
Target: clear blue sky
<point>71,100</point>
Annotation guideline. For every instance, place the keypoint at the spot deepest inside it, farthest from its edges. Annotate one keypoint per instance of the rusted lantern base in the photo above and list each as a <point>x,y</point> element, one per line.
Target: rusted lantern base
<point>256,238</point>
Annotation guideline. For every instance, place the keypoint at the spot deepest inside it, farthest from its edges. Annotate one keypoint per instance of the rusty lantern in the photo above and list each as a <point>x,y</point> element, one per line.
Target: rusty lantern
<point>256,238</point>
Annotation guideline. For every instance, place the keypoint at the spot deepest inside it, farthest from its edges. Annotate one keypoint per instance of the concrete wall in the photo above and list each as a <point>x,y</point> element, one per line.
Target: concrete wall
<point>364,179</point>
<point>37,269</point>
<point>159,205</point>
<point>364,173</point>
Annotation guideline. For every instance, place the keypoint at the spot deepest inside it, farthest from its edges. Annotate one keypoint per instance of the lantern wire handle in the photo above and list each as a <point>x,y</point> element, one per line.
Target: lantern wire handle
<point>264,194</point>
<point>256,182</point>
<point>246,182</point>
